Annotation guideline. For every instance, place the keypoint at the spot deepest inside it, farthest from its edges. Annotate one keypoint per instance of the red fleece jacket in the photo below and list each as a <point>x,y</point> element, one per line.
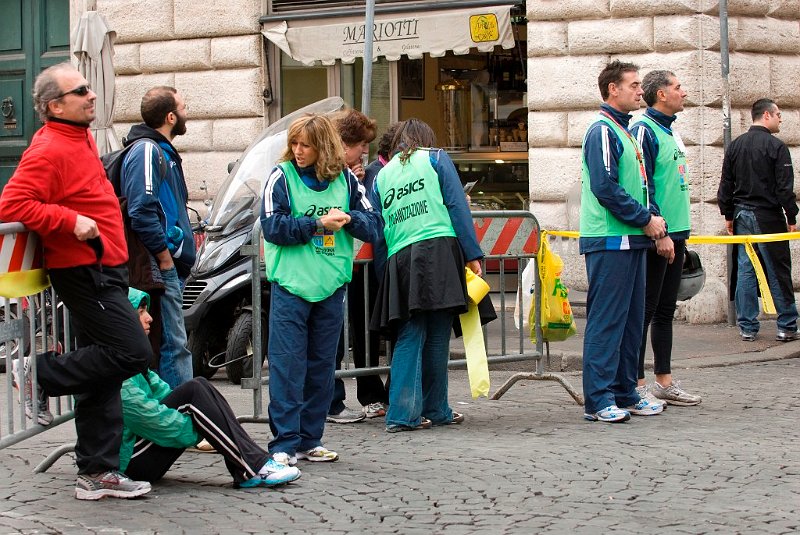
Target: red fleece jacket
<point>59,177</point>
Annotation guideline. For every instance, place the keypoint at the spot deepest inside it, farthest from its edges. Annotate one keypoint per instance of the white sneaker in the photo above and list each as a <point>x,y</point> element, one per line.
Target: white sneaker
<point>675,395</point>
<point>375,410</point>
<point>645,408</point>
<point>319,454</point>
<point>284,458</point>
<point>645,392</point>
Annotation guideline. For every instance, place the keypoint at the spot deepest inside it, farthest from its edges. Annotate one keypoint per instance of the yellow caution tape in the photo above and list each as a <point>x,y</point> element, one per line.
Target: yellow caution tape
<point>474,347</point>
<point>746,240</point>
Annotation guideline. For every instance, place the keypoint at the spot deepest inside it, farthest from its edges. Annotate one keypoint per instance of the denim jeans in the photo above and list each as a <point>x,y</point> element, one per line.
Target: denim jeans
<point>744,222</point>
<point>175,366</point>
<point>419,370</point>
<point>302,361</point>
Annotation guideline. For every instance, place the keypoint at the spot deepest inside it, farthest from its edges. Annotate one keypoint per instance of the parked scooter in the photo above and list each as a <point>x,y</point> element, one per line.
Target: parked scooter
<point>217,298</point>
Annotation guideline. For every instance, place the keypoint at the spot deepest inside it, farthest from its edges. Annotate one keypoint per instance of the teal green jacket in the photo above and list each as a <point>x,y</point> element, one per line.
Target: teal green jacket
<point>145,417</point>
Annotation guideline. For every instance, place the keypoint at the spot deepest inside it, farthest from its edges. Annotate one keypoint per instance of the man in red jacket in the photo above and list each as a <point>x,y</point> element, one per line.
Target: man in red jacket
<point>60,191</point>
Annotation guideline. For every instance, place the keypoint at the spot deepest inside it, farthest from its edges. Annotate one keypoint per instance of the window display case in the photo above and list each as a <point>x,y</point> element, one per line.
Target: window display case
<point>502,178</point>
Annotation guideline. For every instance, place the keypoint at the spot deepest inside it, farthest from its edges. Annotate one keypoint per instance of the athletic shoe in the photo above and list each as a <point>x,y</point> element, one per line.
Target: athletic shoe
<point>319,454</point>
<point>644,392</point>
<point>424,424</point>
<point>645,408</point>
<point>786,336</point>
<point>347,416</point>
<point>611,414</point>
<point>747,337</point>
<point>43,414</point>
<point>675,395</point>
<point>204,446</point>
<point>271,474</point>
<point>375,410</point>
<point>112,483</point>
<point>284,458</point>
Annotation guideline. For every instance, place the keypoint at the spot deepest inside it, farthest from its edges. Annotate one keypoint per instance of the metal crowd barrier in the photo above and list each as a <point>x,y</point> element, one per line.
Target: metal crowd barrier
<point>509,239</point>
<point>29,324</point>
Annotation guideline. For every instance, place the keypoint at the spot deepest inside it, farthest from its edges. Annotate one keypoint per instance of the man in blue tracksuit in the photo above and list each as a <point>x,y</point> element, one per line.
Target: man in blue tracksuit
<point>155,192</point>
<point>617,227</point>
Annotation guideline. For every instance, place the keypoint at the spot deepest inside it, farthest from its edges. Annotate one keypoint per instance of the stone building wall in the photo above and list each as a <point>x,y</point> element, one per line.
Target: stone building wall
<point>571,40</point>
<point>212,52</point>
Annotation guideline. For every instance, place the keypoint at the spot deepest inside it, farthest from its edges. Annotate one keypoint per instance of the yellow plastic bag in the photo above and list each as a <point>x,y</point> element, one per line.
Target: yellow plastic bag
<point>558,323</point>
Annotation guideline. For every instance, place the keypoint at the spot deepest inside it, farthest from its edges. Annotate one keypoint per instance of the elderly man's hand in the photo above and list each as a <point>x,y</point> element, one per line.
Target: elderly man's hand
<point>85,228</point>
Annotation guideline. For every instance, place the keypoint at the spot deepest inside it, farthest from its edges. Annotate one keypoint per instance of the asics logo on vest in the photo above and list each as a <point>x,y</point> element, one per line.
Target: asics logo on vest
<point>319,211</point>
<point>402,191</point>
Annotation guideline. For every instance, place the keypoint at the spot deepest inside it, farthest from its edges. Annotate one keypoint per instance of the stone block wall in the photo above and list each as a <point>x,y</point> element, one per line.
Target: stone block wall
<point>212,52</point>
<point>570,42</point>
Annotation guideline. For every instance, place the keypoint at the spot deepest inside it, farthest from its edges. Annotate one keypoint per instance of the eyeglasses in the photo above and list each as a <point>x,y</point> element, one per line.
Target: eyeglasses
<point>81,91</point>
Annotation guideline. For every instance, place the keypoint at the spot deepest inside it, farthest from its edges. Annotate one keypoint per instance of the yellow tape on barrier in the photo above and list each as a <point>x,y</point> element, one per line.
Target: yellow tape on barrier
<point>746,240</point>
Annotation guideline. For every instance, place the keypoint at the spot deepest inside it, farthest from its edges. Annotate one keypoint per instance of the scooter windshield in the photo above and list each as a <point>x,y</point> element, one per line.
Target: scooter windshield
<point>237,203</point>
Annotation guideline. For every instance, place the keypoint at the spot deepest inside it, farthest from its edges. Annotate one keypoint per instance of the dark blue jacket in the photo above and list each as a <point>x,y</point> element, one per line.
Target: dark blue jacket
<point>647,139</point>
<point>282,228</point>
<point>156,203</point>
<point>456,202</point>
<point>602,150</point>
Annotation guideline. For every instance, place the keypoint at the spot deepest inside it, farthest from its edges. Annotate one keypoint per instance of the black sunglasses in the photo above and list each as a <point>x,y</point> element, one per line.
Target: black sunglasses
<point>81,91</point>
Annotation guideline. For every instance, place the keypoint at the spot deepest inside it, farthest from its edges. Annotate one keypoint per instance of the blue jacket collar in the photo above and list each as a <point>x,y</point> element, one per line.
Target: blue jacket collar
<point>620,116</point>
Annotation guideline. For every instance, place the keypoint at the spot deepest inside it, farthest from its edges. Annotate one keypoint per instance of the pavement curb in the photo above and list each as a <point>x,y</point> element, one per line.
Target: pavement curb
<point>569,361</point>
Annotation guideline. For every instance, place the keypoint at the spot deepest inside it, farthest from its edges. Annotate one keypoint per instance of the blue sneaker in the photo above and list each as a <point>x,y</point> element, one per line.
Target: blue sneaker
<point>611,414</point>
<point>272,474</point>
<point>645,407</point>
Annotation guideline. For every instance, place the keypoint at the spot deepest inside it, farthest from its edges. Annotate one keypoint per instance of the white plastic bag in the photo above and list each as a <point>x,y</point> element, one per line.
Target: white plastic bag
<point>524,301</point>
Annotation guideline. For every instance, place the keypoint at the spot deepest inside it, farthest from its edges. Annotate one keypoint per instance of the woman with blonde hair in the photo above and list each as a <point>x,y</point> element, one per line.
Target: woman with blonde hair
<point>312,208</point>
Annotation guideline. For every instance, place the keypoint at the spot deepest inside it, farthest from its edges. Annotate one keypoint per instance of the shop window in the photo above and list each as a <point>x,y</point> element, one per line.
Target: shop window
<point>380,103</point>
<point>301,85</point>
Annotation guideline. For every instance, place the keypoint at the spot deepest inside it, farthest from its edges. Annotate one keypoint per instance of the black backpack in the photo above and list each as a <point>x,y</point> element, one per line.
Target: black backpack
<point>112,162</point>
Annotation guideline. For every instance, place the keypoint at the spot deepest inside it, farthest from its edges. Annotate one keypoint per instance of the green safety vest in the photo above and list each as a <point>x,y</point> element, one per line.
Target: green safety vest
<point>411,200</point>
<point>670,177</point>
<point>313,270</point>
<point>596,220</point>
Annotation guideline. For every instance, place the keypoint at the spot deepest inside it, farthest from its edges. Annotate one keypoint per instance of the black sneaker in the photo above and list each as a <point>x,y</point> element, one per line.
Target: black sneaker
<point>112,483</point>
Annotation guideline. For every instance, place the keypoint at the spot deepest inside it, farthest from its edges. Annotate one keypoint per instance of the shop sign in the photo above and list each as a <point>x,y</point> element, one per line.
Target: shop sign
<point>484,28</point>
<point>434,33</point>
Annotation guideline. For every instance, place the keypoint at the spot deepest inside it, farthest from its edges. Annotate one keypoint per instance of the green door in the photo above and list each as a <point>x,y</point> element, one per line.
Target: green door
<point>34,34</point>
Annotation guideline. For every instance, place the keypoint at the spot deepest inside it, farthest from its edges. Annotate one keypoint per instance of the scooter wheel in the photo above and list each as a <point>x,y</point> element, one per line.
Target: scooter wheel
<point>240,343</point>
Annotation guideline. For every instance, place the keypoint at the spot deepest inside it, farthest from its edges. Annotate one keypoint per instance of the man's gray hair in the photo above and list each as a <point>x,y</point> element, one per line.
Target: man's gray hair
<point>46,89</point>
<point>652,82</point>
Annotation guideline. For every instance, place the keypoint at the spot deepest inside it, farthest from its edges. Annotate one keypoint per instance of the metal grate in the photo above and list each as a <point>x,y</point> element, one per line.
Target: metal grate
<point>192,291</point>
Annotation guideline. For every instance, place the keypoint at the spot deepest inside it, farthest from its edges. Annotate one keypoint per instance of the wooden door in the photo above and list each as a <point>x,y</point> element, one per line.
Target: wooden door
<point>34,34</point>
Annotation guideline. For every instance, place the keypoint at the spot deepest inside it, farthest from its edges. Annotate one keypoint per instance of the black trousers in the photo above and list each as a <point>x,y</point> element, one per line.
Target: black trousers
<point>661,295</point>
<point>112,346</point>
<point>369,388</point>
<point>215,421</point>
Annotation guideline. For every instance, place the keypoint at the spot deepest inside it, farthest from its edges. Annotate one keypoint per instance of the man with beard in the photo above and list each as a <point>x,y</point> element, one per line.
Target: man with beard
<point>154,188</point>
<point>60,191</point>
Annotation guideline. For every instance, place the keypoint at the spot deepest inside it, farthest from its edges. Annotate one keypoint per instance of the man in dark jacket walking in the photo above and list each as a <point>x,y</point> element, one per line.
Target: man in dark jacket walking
<point>756,196</point>
<point>155,202</point>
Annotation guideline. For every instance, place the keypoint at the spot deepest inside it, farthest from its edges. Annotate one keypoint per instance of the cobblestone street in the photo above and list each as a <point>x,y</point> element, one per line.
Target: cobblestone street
<point>527,463</point>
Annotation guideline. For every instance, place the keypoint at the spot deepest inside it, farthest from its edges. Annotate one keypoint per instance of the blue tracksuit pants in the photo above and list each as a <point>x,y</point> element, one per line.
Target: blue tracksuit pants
<point>614,322</point>
<point>302,359</point>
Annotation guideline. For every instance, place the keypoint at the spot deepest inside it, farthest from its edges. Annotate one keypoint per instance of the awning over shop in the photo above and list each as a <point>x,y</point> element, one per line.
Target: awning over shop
<point>413,34</point>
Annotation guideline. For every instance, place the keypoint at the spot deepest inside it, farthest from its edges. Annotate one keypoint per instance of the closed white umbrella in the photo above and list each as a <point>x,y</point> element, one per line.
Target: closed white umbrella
<point>93,45</point>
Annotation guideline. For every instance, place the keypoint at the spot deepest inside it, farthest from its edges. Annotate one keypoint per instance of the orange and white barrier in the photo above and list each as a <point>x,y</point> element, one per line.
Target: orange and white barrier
<point>22,269</point>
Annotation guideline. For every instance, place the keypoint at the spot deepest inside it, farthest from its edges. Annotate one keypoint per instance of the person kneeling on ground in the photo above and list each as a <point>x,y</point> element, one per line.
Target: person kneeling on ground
<point>161,423</point>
